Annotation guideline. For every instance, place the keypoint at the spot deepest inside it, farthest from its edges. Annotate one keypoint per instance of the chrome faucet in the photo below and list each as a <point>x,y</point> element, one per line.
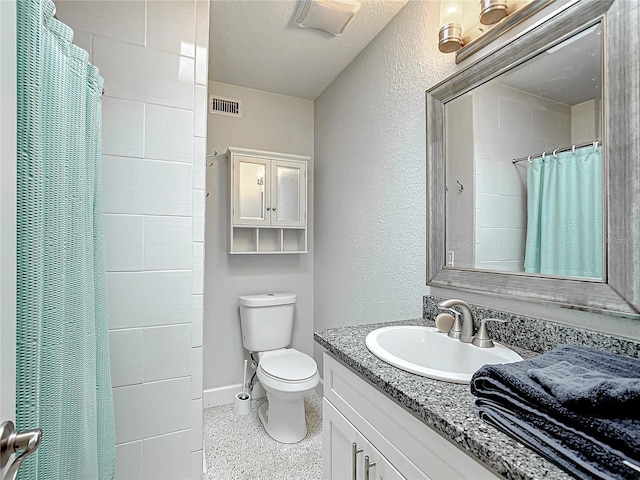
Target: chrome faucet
<point>465,331</point>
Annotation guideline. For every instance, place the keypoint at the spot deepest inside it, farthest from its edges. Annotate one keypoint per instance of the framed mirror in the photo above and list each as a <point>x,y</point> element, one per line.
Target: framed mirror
<point>489,127</point>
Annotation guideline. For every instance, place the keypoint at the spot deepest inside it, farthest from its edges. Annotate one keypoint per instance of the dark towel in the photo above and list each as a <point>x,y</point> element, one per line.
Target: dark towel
<point>508,388</point>
<point>573,451</point>
<point>590,390</point>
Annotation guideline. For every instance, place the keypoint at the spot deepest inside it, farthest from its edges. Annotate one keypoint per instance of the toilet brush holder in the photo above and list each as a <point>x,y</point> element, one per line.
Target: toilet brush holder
<point>242,404</point>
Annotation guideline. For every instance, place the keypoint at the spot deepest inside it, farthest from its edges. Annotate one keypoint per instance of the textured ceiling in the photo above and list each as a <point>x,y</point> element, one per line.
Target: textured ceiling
<point>257,44</point>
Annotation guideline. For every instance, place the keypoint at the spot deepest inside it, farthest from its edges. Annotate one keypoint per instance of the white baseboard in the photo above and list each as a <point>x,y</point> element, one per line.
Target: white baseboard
<point>215,397</point>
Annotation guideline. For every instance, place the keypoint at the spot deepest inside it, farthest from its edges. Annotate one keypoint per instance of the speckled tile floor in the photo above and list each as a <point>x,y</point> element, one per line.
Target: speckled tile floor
<point>238,448</point>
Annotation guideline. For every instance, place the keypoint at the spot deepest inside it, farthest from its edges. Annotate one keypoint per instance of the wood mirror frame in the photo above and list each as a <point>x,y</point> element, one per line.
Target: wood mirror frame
<point>619,294</point>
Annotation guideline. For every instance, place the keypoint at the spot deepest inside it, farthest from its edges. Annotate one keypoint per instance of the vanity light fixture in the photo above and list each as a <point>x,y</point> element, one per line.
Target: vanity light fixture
<point>450,34</point>
<point>492,11</point>
<point>330,16</point>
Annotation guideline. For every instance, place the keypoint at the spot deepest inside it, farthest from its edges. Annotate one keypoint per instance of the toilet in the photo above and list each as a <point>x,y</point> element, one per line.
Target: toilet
<point>286,374</point>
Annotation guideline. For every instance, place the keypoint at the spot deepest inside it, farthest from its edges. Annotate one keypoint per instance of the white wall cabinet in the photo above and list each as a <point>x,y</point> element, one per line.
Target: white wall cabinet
<point>400,445</point>
<point>268,202</point>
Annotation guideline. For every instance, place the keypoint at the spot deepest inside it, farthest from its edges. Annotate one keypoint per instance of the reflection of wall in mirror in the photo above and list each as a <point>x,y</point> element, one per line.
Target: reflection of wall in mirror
<point>509,123</point>
<point>459,205</point>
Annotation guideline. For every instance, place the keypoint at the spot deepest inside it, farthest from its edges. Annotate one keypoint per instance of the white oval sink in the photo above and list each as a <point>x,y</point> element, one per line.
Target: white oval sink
<point>426,351</point>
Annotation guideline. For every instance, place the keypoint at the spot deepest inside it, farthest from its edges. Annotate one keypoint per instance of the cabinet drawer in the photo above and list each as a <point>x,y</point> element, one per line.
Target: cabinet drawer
<point>410,445</point>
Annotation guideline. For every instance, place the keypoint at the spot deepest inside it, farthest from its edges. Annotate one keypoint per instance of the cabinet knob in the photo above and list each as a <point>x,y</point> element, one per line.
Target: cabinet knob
<point>268,208</point>
<point>274,209</point>
<point>367,466</point>
<point>354,459</point>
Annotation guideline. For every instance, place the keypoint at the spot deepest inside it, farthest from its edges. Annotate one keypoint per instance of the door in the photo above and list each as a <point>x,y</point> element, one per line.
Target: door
<point>343,447</point>
<point>288,193</point>
<point>7,209</point>
<point>251,191</point>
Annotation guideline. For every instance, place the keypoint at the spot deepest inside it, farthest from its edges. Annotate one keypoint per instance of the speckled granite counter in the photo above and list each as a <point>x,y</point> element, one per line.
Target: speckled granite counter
<point>446,407</point>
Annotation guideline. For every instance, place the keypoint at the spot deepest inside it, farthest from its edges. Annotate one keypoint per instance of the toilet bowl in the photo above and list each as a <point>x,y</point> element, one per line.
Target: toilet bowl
<point>287,375</point>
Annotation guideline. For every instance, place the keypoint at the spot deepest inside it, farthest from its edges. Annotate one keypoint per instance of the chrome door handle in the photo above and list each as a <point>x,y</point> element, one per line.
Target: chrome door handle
<point>12,442</point>
<point>354,459</point>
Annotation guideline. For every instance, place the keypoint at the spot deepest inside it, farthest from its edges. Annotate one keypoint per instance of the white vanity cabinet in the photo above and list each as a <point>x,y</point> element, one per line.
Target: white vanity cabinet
<point>268,202</point>
<point>400,445</point>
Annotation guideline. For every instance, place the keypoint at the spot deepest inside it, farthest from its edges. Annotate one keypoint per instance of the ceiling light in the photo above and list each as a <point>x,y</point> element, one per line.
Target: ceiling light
<point>331,16</point>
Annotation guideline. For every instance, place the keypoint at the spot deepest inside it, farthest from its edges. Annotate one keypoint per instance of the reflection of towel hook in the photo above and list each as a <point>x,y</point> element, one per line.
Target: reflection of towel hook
<point>460,186</point>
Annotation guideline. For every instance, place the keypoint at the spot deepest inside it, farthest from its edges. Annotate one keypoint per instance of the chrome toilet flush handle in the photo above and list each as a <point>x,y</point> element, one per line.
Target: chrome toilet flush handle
<point>482,338</point>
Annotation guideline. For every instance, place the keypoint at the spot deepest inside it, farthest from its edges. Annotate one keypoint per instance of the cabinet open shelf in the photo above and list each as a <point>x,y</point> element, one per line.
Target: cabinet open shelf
<point>266,240</point>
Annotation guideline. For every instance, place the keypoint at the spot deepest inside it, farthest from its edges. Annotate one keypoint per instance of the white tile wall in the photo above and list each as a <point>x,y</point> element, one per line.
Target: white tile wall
<point>126,351</point>
<point>167,352</point>
<point>196,419</point>
<point>198,215</point>
<point>129,461</point>
<point>151,55</point>
<point>200,125</point>
<point>137,73</point>
<point>124,20</point>
<point>169,133</point>
<point>181,15</point>
<point>122,127</point>
<point>196,372</point>
<point>124,242</point>
<point>199,165</point>
<point>168,243</point>
<point>152,409</point>
<point>196,324</point>
<point>144,299</point>
<point>196,464</point>
<point>152,187</point>
<point>167,457</point>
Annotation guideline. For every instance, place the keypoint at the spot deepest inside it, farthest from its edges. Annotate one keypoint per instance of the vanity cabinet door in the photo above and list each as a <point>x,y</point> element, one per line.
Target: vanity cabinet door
<point>340,460</point>
<point>345,450</point>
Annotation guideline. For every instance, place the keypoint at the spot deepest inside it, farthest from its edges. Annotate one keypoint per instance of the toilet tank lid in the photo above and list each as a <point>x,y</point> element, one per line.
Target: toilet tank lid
<point>267,299</point>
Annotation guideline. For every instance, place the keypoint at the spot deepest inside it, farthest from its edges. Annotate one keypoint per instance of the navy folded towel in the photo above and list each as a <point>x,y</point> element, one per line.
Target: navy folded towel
<point>591,390</point>
<point>581,443</point>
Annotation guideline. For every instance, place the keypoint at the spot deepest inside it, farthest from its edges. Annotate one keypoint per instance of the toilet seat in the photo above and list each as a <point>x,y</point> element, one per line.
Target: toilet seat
<point>288,365</point>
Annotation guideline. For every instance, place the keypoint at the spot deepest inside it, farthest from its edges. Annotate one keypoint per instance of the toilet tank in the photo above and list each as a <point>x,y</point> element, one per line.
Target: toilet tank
<point>267,320</point>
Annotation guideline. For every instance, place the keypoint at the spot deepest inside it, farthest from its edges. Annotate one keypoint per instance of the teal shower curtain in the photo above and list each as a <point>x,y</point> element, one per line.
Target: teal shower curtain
<point>63,381</point>
<point>564,214</point>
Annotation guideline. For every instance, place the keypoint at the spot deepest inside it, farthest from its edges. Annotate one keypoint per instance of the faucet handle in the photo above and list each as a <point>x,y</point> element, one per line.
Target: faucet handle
<point>482,339</point>
<point>455,331</point>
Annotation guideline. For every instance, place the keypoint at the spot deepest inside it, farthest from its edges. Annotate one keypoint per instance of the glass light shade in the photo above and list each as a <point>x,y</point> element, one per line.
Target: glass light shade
<point>450,34</point>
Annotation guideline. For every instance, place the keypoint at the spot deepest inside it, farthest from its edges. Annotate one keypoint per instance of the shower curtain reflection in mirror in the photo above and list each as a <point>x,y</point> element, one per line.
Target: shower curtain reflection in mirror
<point>564,214</point>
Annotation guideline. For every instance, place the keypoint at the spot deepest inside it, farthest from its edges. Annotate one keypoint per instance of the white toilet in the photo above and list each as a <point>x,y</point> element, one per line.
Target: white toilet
<point>286,374</point>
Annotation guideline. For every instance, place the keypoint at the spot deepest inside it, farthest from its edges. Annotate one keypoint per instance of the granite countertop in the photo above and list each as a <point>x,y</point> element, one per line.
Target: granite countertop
<point>446,407</point>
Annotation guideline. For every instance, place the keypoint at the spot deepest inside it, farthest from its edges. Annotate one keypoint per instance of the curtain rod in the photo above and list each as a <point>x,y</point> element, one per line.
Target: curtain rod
<point>595,144</point>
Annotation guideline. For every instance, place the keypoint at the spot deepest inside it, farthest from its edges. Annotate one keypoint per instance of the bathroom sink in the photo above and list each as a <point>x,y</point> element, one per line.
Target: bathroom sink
<point>426,351</point>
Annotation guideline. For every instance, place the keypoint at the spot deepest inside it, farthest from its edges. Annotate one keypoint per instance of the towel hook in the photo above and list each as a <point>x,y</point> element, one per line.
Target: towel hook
<point>555,153</point>
<point>460,186</point>
<point>529,159</point>
<point>573,149</point>
<point>544,154</point>
<point>595,145</point>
